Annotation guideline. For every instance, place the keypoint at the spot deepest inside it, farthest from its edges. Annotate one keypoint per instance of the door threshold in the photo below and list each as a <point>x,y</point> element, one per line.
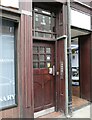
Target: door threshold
<point>44,112</point>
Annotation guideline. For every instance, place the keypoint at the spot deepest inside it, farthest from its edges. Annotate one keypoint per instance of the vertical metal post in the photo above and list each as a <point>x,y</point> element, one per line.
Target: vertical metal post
<point>66,77</point>
<point>69,58</point>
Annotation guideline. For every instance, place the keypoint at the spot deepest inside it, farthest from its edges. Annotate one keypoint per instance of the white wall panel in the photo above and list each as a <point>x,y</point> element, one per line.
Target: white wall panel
<point>80,19</point>
<point>10,3</point>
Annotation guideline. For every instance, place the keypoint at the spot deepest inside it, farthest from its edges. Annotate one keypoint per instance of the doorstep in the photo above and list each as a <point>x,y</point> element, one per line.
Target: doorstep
<point>52,115</point>
<point>44,112</point>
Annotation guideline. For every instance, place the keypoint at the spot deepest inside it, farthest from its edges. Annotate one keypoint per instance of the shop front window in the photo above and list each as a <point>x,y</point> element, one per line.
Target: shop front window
<point>7,64</point>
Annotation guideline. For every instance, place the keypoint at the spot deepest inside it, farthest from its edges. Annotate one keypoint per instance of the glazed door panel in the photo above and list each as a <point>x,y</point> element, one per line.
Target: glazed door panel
<point>43,62</point>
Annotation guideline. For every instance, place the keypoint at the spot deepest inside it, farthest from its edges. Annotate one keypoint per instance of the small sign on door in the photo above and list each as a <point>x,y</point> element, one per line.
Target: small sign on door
<point>61,69</point>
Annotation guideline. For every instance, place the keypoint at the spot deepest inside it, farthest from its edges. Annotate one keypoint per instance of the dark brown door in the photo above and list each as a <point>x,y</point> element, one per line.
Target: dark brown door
<point>43,76</point>
<point>85,66</point>
<point>60,75</point>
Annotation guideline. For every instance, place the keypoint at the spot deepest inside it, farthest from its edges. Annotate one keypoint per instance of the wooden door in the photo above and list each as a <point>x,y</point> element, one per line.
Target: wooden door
<point>43,76</point>
<point>60,75</point>
<point>85,66</point>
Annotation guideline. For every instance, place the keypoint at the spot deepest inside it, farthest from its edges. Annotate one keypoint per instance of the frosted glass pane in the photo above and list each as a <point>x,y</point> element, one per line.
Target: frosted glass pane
<point>7,66</point>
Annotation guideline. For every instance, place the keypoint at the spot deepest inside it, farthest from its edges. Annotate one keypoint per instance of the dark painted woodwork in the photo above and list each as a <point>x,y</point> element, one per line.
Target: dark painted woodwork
<point>60,83</point>
<point>61,21</point>
<point>44,83</point>
<point>91,71</point>
<point>26,64</point>
<point>85,66</point>
<point>51,6</point>
<point>61,29</point>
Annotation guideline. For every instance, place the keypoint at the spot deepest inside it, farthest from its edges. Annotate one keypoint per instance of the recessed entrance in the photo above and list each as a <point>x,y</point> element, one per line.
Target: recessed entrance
<point>80,68</point>
<point>43,76</point>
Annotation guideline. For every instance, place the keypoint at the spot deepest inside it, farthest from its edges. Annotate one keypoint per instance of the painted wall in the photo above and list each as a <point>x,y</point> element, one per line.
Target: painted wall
<point>80,19</point>
<point>10,3</point>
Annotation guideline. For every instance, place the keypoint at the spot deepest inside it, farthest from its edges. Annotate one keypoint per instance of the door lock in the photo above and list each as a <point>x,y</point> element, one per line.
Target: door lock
<point>57,73</point>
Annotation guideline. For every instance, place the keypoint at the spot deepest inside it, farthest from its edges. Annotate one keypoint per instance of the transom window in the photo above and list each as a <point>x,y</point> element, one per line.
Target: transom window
<point>43,23</point>
<point>41,57</point>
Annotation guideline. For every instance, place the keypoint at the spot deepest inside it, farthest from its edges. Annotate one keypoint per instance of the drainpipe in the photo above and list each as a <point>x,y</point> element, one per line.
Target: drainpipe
<point>69,58</point>
<point>66,77</point>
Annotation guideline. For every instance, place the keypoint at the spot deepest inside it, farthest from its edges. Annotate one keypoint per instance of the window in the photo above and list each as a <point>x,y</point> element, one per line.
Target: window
<point>41,57</point>
<point>44,23</point>
<point>7,64</point>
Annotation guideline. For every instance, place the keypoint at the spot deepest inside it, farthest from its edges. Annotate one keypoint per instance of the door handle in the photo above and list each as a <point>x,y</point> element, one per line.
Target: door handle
<point>52,70</point>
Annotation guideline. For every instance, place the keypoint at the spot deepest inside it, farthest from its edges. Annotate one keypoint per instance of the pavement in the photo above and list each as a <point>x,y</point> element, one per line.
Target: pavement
<point>84,112</point>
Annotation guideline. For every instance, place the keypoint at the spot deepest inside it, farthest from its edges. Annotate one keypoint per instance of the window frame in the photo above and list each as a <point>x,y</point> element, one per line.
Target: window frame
<point>41,31</point>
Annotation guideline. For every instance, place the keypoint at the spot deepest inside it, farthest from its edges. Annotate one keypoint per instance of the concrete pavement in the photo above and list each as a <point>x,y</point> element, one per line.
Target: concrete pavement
<point>84,112</point>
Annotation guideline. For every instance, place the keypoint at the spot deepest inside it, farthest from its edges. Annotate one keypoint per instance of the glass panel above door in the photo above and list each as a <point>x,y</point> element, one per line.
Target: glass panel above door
<point>44,23</point>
